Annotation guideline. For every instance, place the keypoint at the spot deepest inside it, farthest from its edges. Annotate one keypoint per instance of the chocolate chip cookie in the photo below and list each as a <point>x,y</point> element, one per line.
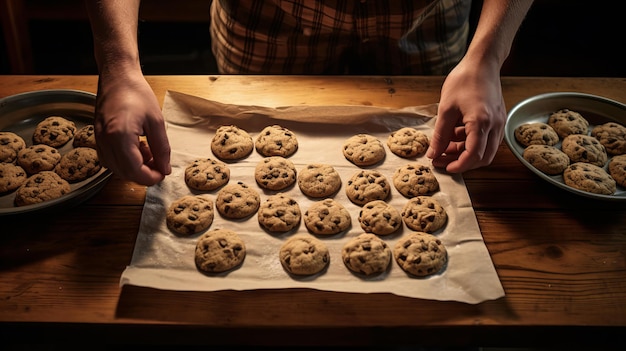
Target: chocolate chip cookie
<point>190,214</point>
<point>303,254</point>
<point>363,150</point>
<point>548,159</point>
<point>54,131</point>
<point>11,177</point>
<point>231,143</point>
<point>319,180</point>
<point>424,214</point>
<point>590,178</point>
<point>275,173</point>
<point>584,148</point>
<point>415,179</point>
<point>617,169</point>
<point>237,200</point>
<point>327,217</point>
<point>37,158</point>
<point>78,164</point>
<point>536,133</point>
<point>206,174</point>
<point>408,142</point>
<point>366,254</point>
<point>10,146</point>
<point>85,137</point>
<point>612,136</point>
<point>367,185</point>
<point>41,187</point>
<point>279,213</point>
<point>380,218</point>
<point>276,140</point>
<point>566,122</point>
<point>219,250</point>
<point>420,254</point>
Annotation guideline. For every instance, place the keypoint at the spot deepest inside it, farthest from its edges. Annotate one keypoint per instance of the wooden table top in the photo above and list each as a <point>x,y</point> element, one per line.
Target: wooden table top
<point>561,258</point>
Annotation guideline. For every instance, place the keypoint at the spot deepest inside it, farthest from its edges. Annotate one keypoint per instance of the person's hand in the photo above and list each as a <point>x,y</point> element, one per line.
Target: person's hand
<point>470,119</point>
<point>130,129</point>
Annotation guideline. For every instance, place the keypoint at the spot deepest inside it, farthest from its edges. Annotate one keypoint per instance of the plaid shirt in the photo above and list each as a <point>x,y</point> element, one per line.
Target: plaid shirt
<point>398,37</point>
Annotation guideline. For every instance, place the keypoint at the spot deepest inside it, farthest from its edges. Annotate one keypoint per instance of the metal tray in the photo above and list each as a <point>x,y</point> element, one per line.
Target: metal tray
<point>596,109</point>
<point>21,113</point>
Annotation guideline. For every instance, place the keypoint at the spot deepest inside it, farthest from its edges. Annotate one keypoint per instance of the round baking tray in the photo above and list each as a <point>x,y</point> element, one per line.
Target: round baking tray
<point>21,113</point>
<point>596,109</point>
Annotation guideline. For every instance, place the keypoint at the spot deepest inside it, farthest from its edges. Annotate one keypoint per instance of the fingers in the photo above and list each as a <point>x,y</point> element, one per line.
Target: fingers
<point>159,146</point>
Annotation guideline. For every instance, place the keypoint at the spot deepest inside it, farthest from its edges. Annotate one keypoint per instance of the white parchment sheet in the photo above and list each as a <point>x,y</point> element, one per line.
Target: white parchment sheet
<point>163,260</point>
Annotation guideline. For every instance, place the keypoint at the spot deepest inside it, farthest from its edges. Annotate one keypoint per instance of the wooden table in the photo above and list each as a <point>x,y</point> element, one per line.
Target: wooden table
<point>561,258</point>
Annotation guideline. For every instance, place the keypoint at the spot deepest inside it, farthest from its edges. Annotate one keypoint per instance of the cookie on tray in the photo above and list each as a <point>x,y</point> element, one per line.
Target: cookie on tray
<point>41,187</point>
<point>612,135</point>
<point>617,169</point>
<point>206,174</point>
<point>85,137</point>
<point>78,164</point>
<point>231,143</point>
<point>548,159</point>
<point>10,146</point>
<point>367,185</point>
<point>566,122</point>
<point>319,180</point>
<point>380,217</point>
<point>408,142</point>
<point>363,150</point>
<point>415,179</point>
<point>190,214</point>
<point>276,140</point>
<point>424,214</point>
<point>279,213</point>
<point>584,148</point>
<point>304,254</point>
<point>54,131</point>
<point>37,158</point>
<point>536,133</point>
<point>219,250</point>
<point>420,254</point>
<point>275,173</point>
<point>327,217</point>
<point>237,200</point>
<point>11,177</point>
<point>366,254</point>
<point>590,178</point>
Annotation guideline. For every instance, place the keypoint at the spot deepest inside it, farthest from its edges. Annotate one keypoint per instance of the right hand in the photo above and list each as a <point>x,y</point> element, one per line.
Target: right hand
<point>126,111</point>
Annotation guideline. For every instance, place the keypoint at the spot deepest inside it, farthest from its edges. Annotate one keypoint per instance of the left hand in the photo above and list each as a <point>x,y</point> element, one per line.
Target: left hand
<point>470,119</point>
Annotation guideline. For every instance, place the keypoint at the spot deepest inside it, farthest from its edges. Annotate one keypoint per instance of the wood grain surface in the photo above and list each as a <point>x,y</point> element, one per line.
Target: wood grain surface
<point>561,258</point>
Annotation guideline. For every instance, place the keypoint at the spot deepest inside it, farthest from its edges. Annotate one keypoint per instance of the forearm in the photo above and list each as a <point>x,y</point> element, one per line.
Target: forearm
<point>496,29</point>
<point>114,28</point>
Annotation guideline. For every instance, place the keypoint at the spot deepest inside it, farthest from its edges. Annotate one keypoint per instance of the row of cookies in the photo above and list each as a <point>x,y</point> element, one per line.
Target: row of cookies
<point>419,254</point>
<point>583,153</point>
<point>40,172</point>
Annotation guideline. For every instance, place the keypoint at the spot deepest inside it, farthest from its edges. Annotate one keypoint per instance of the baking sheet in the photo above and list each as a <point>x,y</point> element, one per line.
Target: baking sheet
<point>166,261</point>
<point>21,113</point>
<point>596,109</point>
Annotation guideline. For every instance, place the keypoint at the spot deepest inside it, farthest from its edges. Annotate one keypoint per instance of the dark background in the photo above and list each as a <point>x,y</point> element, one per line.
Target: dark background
<point>557,38</point>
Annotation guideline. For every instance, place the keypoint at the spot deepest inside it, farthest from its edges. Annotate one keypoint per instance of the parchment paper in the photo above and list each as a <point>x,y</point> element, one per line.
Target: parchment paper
<point>163,260</point>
